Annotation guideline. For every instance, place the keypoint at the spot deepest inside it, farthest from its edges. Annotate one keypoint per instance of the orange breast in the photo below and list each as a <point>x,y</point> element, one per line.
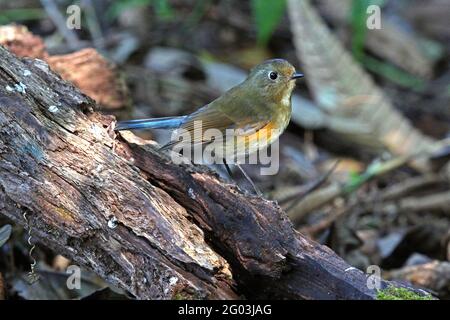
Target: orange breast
<point>263,137</point>
<point>252,142</point>
<point>265,133</point>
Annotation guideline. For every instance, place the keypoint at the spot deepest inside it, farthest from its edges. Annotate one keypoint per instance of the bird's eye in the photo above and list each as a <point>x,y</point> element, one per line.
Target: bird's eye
<point>273,75</point>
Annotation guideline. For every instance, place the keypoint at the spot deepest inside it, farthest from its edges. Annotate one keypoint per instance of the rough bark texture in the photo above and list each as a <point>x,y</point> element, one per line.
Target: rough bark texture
<point>174,231</point>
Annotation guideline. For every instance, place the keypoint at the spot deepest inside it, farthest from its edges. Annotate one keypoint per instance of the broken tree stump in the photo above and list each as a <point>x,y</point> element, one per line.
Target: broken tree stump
<point>154,228</point>
<point>87,69</point>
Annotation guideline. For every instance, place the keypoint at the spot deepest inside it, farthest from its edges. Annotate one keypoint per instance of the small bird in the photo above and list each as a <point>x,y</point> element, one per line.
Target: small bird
<point>260,105</point>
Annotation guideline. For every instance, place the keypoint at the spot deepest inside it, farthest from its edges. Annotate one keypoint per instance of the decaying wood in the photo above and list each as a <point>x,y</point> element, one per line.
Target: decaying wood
<point>154,228</point>
<point>86,69</point>
<point>2,288</point>
<point>22,42</point>
<point>94,76</point>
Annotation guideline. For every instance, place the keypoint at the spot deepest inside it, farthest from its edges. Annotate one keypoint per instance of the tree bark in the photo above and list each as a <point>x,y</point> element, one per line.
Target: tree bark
<point>154,228</point>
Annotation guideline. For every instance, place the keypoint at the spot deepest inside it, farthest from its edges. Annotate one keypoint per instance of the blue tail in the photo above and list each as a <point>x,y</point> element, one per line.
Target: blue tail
<point>152,123</point>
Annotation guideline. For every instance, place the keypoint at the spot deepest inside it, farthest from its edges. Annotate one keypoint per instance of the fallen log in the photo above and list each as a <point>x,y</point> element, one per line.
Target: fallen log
<point>154,228</point>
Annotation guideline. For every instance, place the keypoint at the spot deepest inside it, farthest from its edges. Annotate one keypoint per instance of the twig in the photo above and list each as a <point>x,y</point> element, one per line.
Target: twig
<point>404,187</point>
<point>32,275</point>
<point>93,25</point>
<point>323,196</point>
<point>325,223</point>
<point>309,188</point>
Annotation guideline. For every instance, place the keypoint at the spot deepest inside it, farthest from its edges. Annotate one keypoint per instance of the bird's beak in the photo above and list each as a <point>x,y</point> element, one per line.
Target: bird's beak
<point>297,75</point>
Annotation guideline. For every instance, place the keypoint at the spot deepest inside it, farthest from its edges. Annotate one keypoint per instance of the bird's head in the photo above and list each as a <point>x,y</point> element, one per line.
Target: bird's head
<point>274,79</point>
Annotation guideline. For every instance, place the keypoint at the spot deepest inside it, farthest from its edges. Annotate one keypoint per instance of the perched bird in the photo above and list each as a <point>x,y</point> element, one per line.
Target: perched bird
<point>257,111</point>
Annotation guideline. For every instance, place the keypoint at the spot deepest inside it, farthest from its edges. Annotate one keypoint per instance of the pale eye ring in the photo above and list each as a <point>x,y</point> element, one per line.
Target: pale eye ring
<point>273,75</point>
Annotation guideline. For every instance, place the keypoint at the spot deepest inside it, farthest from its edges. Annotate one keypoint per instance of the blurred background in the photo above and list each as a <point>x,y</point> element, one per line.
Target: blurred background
<point>364,164</point>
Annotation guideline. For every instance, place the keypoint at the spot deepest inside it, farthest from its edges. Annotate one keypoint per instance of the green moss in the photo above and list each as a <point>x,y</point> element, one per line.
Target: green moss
<point>180,296</point>
<point>393,293</point>
<point>183,295</point>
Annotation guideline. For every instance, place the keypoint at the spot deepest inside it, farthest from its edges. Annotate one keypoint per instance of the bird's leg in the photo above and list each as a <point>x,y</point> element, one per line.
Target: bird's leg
<point>228,168</point>
<point>257,191</point>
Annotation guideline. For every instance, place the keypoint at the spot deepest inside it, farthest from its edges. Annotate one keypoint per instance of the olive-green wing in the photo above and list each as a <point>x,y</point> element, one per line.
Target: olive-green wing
<point>236,110</point>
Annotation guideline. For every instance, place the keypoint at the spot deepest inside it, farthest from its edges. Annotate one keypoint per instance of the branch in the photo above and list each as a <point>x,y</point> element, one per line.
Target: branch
<point>156,229</point>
